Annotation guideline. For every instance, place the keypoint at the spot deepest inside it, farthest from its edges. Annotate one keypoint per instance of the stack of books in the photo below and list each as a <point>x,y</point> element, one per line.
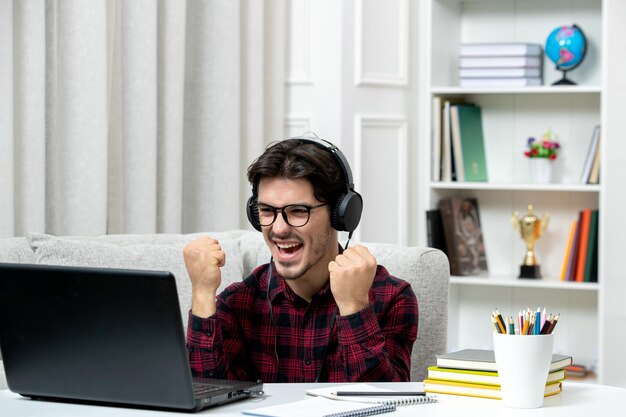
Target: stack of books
<point>472,372</point>
<point>512,64</point>
<point>458,143</point>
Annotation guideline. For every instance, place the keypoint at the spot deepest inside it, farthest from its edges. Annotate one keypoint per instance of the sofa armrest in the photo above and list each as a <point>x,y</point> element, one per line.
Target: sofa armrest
<point>428,272</point>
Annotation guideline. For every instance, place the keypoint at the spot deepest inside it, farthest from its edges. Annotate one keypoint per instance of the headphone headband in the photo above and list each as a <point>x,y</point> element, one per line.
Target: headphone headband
<point>342,162</point>
<point>346,213</point>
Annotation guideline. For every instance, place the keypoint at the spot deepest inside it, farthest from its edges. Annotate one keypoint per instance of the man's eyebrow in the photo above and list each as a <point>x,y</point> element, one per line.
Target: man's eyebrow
<point>290,204</point>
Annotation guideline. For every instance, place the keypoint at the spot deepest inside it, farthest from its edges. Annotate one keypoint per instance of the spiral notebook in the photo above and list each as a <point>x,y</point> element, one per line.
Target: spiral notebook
<point>330,393</point>
<point>320,406</point>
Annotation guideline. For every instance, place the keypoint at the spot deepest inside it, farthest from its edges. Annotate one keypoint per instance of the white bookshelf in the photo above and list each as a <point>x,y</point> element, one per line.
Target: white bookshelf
<point>510,116</point>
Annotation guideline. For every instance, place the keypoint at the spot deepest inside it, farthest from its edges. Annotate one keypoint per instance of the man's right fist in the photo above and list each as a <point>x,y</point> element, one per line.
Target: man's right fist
<point>203,258</point>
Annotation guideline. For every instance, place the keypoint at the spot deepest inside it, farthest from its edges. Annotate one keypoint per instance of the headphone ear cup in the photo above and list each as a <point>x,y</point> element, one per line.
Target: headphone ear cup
<point>347,213</point>
<point>253,214</point>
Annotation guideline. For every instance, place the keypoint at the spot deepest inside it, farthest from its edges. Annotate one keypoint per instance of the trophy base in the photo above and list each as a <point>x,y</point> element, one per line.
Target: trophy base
<point>529,271</point>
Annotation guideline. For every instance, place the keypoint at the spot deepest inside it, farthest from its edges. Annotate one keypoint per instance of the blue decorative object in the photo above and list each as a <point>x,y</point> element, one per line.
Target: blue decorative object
<point>566,47</point>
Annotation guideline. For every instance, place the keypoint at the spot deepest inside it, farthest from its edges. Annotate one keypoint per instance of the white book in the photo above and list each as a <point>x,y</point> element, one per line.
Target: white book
<point>456,143</point>
<point>446,145</point>
<point>500,82</point>
<point>500,72</point>
<point>436,139</point>
<point>501,49</point>
<point>501,62</point>
<point>591,155</point>
<point>594,175</point>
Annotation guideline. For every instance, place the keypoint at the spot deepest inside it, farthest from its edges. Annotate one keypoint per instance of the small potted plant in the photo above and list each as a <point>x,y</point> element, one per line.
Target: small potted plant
<point>541,153</point>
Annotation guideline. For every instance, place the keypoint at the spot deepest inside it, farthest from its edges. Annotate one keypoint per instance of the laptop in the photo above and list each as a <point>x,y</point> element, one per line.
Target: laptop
<point>101,335</point>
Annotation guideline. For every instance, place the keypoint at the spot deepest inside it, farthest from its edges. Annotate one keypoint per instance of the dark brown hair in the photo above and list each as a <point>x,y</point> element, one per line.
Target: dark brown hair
<point>298,159</point>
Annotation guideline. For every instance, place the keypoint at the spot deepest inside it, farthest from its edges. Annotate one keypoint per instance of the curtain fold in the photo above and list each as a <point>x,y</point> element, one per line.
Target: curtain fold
<point>211,142</point>
<point>7,178</point>
<point>140,116</point>
<point>76,131</point>
<point>29,115</point>
<point>170,111</point>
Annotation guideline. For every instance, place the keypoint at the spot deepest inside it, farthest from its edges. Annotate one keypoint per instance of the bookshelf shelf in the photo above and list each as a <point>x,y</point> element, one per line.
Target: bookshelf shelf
<point>560,188</point>
<point>577,89</point>
<point>519,283</point>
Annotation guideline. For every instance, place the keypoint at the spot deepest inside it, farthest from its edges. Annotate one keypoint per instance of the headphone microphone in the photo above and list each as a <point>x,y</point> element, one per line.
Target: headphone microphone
<point>347,210</point>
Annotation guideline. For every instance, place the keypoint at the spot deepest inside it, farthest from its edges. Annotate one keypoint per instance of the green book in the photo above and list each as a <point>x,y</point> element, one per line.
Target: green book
<point>472,143</point>
<point>592,248</point>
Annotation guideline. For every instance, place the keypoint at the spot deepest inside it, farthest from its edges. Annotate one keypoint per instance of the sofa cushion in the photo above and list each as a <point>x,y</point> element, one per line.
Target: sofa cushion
<point>254,251</point>
<point>16,250</point>
<point>127,254</point>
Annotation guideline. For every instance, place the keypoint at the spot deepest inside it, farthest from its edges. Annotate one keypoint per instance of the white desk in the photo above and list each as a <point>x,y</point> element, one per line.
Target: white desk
<point>577,399</point>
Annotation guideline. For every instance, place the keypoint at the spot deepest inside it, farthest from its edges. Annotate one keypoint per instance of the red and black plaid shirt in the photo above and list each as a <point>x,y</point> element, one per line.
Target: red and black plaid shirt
<point>241,341</point>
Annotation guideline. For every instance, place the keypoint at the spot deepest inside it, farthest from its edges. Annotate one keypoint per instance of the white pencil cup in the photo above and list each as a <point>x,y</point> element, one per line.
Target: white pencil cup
<point>523,363</point>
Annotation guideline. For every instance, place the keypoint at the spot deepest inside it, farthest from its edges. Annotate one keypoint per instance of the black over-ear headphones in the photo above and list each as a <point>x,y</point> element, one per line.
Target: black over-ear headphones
<point>346,213</point>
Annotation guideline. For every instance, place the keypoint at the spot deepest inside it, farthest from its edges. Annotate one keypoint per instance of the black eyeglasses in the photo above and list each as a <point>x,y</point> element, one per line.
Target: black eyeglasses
<point>295,215</point>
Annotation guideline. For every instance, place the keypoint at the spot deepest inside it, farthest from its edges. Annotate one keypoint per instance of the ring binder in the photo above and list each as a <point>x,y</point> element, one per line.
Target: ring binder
<point>426,399</point>
<point>369,411</point>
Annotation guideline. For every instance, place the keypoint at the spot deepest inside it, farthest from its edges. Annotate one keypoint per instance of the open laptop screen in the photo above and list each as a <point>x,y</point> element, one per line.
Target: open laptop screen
<point>94,334</point>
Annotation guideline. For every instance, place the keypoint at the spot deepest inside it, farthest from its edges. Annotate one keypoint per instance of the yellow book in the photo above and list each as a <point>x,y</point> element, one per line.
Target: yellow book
<point>479,377</point>
<point>572,231</point>
<point>437,386</point>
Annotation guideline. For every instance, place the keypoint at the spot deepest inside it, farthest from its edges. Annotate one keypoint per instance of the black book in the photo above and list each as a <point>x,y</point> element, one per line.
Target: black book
<point>434,228</point>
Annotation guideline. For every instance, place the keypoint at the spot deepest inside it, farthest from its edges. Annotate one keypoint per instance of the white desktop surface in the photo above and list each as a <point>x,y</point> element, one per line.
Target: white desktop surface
<point>577,399</point>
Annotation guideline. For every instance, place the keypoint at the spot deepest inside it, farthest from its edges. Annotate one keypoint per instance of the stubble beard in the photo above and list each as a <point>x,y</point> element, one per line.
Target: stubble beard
<point>318,251</point>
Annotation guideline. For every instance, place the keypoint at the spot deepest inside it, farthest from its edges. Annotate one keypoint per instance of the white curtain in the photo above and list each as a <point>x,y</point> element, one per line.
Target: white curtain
<point>135,116</point>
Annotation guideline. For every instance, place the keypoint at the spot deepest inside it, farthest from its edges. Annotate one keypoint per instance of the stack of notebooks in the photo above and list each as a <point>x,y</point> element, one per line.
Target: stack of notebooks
<point>472,372</point>
<point>513,64</point>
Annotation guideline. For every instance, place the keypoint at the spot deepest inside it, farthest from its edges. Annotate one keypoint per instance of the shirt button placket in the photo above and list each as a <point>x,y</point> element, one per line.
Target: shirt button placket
<point>308,324</point>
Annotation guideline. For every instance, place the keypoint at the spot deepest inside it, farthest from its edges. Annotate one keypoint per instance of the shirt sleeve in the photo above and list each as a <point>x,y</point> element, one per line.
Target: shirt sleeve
<point>379,348</point>
<point>206,338</point>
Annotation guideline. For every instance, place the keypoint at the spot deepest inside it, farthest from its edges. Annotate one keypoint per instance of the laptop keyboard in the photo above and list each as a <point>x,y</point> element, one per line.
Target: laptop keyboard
<point>202,390</point>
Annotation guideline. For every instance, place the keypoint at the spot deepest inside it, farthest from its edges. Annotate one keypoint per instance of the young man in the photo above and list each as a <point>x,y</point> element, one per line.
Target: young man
<point>315,312</point>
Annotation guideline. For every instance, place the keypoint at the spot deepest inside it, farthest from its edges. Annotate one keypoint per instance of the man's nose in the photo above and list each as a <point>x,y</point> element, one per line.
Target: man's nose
<point>280,223</point>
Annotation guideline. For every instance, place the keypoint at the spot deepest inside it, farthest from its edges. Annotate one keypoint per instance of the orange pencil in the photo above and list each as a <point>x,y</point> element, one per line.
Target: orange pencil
<point>525,329</point>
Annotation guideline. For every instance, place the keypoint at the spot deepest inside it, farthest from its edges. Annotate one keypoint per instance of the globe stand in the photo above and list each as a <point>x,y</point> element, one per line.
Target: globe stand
<point>564,80</point>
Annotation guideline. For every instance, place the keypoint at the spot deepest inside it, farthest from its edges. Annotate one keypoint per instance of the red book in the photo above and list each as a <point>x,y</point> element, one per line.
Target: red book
<point>582,246</point>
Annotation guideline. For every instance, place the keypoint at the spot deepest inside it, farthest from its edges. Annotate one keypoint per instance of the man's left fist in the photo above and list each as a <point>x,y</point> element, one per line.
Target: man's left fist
<point>351,277</point>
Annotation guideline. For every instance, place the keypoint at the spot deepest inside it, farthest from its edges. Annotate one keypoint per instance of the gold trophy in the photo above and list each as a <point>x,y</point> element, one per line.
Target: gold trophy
<point>531,229</point>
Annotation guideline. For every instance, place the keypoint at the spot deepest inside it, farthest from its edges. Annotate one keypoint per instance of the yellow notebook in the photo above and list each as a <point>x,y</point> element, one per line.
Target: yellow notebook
<point>479,377</point>
<point>477,390</point>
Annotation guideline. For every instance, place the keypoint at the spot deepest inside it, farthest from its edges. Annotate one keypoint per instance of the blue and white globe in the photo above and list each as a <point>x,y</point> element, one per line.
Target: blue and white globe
<point>566,47</point>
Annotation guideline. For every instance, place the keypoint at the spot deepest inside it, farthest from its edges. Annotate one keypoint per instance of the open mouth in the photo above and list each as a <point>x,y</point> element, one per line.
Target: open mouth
<point>288,250</point>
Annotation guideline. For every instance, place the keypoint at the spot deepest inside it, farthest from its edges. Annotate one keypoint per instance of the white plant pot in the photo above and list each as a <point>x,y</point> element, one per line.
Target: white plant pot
<point>540,170</point>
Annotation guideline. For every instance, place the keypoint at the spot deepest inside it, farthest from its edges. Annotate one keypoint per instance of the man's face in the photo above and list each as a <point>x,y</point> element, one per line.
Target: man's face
<point>298,251</point>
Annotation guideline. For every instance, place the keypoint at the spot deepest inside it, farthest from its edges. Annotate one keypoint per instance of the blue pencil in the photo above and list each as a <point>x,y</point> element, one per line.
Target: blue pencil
<point>537,327</point>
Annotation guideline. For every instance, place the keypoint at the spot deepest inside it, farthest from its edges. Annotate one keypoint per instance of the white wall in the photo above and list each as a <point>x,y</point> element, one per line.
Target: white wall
<point>350,80</point>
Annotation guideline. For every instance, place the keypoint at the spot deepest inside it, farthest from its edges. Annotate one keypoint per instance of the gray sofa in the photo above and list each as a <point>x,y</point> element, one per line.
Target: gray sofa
<point>426,269</point>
